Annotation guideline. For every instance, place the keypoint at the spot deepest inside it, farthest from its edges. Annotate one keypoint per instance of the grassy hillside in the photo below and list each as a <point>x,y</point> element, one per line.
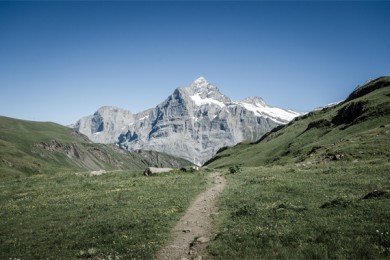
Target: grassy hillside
<point>28,148</point>
<point>355,130</point>
<point>317,188</point>
<point>52,208</point>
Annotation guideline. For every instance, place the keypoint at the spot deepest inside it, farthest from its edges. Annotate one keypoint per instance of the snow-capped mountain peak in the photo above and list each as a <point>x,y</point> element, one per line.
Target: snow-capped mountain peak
<point>200,82</point>
<point>201,92</point>
<point>193,123</point>
<point>202,87</point>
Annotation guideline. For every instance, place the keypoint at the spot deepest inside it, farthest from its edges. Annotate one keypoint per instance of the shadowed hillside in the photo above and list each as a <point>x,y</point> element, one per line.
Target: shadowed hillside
<point>355,130</point>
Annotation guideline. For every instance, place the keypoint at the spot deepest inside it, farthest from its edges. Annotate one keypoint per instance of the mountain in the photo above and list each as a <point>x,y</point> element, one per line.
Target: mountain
<point>28,148</point>
<point>193,123</point>
<point>105,125</point>
<point>357,129</point>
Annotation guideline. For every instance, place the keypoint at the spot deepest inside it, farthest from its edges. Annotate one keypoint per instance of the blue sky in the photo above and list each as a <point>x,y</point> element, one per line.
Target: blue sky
<point>60,61</point>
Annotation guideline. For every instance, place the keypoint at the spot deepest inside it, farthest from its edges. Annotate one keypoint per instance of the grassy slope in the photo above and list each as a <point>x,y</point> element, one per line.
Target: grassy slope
<point>121,215</point>
<point>275,212</point>
<point>49,212</point>
<point>42,147</point>
<point>318,136</point>
<point>293,200</point>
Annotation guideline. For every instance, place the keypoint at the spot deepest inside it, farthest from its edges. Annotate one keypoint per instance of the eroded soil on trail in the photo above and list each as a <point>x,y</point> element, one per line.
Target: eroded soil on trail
<point>193,232</point>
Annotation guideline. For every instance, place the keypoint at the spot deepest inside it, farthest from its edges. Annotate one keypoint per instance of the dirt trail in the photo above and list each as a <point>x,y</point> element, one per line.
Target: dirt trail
<point>193,231</point>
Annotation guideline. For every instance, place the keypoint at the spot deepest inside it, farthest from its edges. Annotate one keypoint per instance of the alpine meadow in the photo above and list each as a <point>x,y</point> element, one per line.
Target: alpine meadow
<point>194,130</point>
<point>317,187</point>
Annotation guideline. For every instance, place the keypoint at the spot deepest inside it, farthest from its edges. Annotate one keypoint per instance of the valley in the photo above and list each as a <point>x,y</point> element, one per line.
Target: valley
<point>194,130</point>
<point>316,187</point>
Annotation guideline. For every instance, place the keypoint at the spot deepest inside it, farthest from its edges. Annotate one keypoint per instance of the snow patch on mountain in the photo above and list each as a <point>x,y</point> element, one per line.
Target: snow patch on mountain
<point>261,109</point>
<point>199,101</point>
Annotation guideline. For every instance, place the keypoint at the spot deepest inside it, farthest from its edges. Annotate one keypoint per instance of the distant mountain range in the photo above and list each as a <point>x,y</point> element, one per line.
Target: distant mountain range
<point>193,123</point>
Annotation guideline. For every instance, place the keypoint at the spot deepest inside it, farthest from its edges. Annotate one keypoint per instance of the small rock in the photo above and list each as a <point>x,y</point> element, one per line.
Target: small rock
<point>8,163</point>
<point>337,157</point>
<point>202,240</point>
<point>186,230</point>
<point>97,173</point>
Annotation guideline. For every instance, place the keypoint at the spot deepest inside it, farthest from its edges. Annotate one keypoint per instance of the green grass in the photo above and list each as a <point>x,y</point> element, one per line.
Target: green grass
<point>119,215</point>
<point>29,148</point>
<point>286,196</point>
<point>305,212</point>
<point>320,135</point>
<point>298,194</point>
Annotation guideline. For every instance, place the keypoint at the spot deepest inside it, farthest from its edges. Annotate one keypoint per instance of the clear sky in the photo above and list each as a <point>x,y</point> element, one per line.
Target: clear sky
<point>60,61</point>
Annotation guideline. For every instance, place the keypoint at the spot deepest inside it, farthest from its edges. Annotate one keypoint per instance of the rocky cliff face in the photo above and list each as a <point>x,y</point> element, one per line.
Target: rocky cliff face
<point>105,125</point>
<point>193,123</point>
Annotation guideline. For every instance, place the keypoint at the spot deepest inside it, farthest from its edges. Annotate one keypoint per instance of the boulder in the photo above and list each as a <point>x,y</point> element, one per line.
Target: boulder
<point>153,170</point>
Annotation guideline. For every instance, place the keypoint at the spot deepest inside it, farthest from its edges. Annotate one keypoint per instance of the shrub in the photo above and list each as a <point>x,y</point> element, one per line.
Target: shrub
<point>234,169</point>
